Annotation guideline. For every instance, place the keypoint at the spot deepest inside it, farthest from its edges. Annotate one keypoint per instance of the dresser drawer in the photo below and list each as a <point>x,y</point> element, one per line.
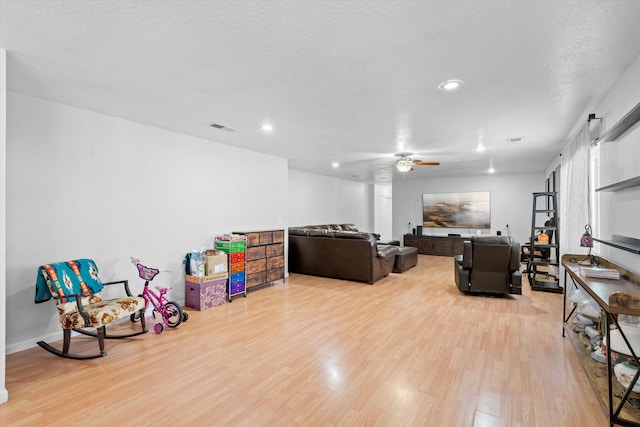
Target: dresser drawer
<point>256,279</point>
<point>275,262</point>
<point>256,266</point>
<point>255,253</point>
<point>266,237</point>
<point>253,239</point>
<point>444,247</point>
<point>278,236</point>
<point>426,246</point>
<point>275,274</point>
<point>275,250</point>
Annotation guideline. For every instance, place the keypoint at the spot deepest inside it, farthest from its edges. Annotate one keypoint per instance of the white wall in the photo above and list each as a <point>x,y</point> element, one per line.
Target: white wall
<point>319,199</point>
<point>511,202</point>
<point>3,226</point>
<point>618,211</point>
<point>82,184</point>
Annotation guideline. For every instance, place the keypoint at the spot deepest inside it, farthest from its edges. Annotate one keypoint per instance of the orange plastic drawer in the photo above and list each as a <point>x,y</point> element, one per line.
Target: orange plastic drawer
<point>236,267</point>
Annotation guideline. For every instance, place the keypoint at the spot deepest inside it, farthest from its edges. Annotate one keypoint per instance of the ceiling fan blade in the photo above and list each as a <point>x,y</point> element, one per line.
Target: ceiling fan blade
<point>426,163</point>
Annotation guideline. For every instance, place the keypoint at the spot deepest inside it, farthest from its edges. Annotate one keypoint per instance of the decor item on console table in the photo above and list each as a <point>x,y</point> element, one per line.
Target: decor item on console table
<point>265,256</point>
<point>436,245</point>
<point>615,297</point>
<point>339,252</point>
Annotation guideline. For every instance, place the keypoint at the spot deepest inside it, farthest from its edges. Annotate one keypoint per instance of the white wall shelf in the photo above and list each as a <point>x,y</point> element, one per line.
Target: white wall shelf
<point>625,243</point>
<point>621,185</point>
<point>623,125</point>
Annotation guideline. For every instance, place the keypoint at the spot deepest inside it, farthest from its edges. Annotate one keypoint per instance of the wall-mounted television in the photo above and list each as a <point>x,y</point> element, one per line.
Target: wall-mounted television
<point>457,210</point>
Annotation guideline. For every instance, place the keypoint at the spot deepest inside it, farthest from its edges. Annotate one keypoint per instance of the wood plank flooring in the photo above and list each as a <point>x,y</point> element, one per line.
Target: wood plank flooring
<point>410,350</point>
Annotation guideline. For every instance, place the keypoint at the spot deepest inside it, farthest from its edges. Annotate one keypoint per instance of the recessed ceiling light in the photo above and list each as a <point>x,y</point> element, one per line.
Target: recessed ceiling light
<point>267,127</point>
<point>335,164</point>
<point>480,147</point>
<point>450,85</point>
<point>491,169</point>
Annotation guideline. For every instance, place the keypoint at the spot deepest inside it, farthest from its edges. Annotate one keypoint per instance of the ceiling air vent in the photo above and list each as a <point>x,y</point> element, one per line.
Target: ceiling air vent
<point>222,127</point>
<point>514,140</point>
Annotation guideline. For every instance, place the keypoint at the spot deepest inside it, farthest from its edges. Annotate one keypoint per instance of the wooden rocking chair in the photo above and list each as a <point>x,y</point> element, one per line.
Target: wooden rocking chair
<point>75,287</point>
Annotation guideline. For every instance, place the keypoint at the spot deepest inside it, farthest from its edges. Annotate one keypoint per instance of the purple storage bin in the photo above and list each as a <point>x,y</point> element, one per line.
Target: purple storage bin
<point>202,296</point>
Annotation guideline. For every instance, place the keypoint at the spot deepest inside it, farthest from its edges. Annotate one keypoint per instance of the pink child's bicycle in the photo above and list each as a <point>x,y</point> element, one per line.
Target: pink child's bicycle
<point>171,313</point>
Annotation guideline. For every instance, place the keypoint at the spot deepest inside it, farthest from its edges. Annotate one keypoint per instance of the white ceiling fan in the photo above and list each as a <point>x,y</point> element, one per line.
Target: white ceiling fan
<point>406,164</point>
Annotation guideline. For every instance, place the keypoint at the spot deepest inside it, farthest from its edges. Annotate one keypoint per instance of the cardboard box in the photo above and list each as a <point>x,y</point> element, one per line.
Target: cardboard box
<point>204,279</point>
<point>216,263</point>
<point>202,296</point>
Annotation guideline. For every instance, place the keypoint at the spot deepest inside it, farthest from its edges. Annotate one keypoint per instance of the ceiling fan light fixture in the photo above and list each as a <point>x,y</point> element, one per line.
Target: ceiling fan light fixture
<point>404,165</point>
<point>450,85</point>
<point>403,168</point>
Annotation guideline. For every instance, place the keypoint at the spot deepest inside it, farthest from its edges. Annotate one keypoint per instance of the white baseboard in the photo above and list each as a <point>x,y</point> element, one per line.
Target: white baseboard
<point>4,396</point>
<point>25,345</point>
<point>52,337</point>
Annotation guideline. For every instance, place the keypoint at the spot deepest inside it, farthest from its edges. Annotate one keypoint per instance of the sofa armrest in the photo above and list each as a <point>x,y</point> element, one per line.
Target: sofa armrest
<point>461,274</point>
<point>467,255</point>
<point>385,251</point>
<point>514,262</point>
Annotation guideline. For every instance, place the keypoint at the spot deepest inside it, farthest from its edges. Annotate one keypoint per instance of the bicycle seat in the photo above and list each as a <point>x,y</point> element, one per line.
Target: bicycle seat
<point>162,290</point>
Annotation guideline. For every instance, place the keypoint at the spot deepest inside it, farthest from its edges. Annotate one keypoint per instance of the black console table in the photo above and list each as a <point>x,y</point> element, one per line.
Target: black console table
<point>436,245</point>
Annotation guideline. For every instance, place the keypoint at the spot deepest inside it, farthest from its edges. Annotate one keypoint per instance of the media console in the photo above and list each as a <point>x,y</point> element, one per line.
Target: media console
<point>436,245</point>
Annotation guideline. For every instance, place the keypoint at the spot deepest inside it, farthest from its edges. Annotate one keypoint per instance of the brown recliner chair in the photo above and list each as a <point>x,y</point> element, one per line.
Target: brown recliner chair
<point>489,264</point>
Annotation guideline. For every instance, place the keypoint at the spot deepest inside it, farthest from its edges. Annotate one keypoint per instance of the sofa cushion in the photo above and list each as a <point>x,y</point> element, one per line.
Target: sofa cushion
<point>349,227</point>
<point>102,313</point>
<point>319,232</point>
<point>298,231</point>
<point>352,235</point>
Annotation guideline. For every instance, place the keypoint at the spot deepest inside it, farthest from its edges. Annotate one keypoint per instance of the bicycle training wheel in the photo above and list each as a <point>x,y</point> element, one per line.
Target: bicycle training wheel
<point>172,314</point>
<point>135,317</point>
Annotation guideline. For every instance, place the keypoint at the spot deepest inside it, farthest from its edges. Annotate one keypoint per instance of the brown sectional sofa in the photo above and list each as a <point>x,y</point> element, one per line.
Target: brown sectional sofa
<point>339,251</point>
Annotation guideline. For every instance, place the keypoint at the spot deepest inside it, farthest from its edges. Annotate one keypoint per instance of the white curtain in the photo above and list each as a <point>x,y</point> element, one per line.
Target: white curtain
<point>575,192</point>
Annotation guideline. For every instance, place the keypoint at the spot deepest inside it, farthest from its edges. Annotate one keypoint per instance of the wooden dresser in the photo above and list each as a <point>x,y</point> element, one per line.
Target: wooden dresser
<point>264,257</point>
<point>436,245</point>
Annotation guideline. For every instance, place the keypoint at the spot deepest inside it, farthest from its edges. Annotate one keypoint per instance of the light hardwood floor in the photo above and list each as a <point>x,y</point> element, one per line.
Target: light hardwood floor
<point>410,350</point>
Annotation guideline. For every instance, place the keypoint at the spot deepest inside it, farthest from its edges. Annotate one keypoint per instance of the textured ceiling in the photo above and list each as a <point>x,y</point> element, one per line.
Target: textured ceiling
<point>346,81</point>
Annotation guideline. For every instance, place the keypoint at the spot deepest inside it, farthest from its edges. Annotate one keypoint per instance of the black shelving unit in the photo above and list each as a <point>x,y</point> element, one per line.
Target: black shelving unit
<point>544,254</point>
